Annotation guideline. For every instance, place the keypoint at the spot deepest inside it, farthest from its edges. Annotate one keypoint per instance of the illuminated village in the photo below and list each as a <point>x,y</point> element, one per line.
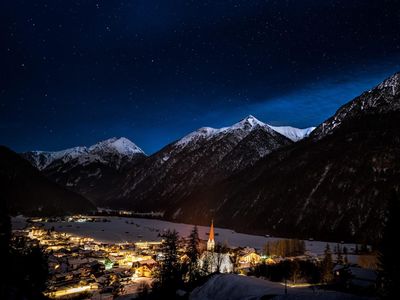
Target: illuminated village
<point>84,268</point>
<point>80,265</point>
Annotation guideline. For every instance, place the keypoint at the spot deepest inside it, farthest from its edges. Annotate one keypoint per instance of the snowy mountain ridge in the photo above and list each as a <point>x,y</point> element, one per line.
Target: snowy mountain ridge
<point>244,127</point>
<point>199,159</point>
<point>116,168</point>
<point>123,147</point>
<point>42,159</point>
<point>119,147</point>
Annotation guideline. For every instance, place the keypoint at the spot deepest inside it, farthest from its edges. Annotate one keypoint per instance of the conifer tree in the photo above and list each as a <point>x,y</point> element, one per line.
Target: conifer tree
<point>25,266</point>
<point>206,264</point>
<point>267,249</point>
<point>345,252</point>
<point>339,258</point>
<point>169,275</point>
<point>327,266</point>
<point>193,254</point>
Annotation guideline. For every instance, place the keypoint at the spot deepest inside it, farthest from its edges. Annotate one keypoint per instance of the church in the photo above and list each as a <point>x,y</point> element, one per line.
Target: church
<point>215,262</point>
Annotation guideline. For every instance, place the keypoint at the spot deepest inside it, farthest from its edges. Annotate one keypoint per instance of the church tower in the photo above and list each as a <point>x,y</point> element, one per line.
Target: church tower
<point>211,242</point>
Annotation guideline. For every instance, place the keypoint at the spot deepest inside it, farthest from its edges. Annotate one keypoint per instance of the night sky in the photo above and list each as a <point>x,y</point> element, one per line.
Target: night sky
<point>76,72</point>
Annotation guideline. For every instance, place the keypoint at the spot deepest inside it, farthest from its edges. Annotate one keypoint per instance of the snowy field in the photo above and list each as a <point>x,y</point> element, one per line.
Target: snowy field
<point>120,230</point>
<point>235,287</point>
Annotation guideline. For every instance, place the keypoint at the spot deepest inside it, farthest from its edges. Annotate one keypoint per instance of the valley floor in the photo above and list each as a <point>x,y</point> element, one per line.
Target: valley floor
<point>90,234</point>
<point>120,229</point>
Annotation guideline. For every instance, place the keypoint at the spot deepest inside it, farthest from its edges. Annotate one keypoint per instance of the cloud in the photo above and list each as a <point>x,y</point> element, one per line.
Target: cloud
<point>312,104</point>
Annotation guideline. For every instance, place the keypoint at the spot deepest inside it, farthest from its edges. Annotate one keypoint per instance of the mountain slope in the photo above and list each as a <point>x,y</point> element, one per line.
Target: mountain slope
<point>333,185</point>
<point>42,159</point>
<point>92,172</point>
<point>27,191</point>
<point>200,158</point>
<point>380,100</point>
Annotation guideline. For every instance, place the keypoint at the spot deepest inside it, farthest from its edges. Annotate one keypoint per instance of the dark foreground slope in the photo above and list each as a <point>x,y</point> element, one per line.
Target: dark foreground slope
<point>27,191</point>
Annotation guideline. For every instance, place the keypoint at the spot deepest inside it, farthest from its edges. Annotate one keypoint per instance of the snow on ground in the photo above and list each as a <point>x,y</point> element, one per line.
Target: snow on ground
<point>18,222</point>
<point>121,229</point>
<point>131,290</point>
<point>235,287</point>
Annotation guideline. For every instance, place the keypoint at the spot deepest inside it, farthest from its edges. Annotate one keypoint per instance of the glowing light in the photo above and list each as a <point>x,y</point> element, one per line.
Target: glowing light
<point>71,290</point>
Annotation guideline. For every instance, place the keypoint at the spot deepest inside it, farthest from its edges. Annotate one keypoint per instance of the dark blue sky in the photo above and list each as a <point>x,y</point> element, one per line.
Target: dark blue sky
<point>75,72</point>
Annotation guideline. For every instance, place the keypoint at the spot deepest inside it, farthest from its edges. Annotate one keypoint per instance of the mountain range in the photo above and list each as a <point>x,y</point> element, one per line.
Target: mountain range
<point>326,182</point>
<point>90,171</point>
<point>332,185</point>
<point>109,171</point>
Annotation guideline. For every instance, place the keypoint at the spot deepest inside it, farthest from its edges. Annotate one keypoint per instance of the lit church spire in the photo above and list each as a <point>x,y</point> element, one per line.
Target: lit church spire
<point>211,242</point>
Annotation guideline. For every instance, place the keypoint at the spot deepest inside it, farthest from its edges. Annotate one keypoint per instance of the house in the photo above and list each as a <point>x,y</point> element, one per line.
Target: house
<point>144,268</point>
<point>250,257</point>
<point>270,261</point>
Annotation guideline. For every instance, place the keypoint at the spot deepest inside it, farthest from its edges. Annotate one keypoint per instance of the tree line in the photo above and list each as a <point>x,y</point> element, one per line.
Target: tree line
<point>285,248</point>
<point>295,270</point>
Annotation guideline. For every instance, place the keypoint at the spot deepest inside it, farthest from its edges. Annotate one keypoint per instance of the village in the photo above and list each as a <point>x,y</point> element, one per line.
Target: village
<point>91,269</point>
<point>82,265</point>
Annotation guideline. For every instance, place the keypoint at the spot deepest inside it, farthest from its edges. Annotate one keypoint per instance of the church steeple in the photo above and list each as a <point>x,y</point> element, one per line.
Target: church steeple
<point>211,242</point>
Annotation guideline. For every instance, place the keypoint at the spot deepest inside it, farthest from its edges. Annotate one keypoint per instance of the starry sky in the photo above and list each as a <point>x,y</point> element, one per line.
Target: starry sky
<point>76,72</point>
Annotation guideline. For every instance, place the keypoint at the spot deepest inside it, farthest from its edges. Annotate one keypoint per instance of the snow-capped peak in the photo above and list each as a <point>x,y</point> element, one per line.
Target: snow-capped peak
<point>120,145</point>
<point>248,123</point>
<point>252,121</point>
<point>242,128</point>
<point>294,134</point>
